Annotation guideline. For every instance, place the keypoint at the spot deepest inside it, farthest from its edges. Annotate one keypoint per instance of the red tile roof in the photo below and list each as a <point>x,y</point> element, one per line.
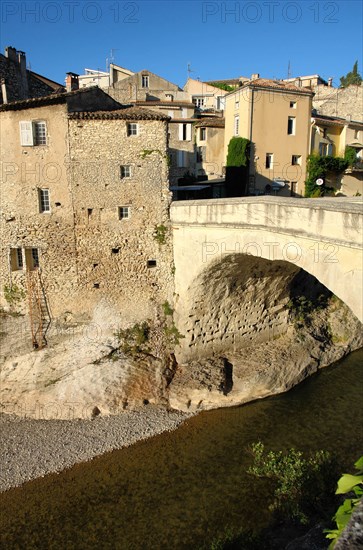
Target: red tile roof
<point>277,85</point>
<point>125,113</point>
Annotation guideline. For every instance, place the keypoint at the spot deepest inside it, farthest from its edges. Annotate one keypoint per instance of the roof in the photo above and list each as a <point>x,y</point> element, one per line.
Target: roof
<point>165,103</point>
<point>230,81</point>
<point>48,81</point>
<point>213,122</point>
<point>335,121</point>
<point>277,85</point>
<point>124,113</point>
<point>52,99</point>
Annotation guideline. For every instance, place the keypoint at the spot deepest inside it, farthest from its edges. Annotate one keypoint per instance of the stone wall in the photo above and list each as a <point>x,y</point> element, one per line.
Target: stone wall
<point>88,256</point>
<point>342,102</point>
<point>121,259</point>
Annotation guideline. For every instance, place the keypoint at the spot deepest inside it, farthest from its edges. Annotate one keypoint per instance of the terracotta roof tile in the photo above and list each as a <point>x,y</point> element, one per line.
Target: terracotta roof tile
<point>165,103</point>
<point>51,99</point>
<point>277,85</point>
<point>125,113</point>
<point>216,122</point>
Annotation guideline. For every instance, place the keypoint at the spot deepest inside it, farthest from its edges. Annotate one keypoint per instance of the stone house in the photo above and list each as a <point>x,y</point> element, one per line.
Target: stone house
<point>205,96</point>
<point>18,82</point>
<point>85,192</point>
<point>275,117</point>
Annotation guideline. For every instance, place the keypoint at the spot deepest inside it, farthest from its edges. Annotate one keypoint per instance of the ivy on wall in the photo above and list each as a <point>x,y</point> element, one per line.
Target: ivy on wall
<point>318,167</point>
<point>238,152</point>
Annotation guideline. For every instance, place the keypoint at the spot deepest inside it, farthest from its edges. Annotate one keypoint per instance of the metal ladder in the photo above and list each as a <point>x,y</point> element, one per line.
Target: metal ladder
<point>38,309</point>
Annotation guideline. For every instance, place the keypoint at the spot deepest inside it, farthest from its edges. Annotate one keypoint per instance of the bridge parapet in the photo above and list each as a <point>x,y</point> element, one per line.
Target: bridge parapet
<point>322,236</point>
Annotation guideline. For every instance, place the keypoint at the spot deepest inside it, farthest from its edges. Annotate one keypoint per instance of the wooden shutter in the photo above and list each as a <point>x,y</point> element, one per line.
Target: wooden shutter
<point>180,132</point>
<point>189,132</point>
<point>26,134</point>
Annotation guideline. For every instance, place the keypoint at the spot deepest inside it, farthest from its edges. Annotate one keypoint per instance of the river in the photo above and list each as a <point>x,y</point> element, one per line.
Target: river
<point>180,490</point>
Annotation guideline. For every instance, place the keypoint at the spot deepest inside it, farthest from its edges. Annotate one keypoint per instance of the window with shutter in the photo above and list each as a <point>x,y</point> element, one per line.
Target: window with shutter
<point>26,134</point>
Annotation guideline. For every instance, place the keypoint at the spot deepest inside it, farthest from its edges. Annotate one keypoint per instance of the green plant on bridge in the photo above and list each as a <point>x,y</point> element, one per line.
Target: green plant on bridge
<point>346,484</point>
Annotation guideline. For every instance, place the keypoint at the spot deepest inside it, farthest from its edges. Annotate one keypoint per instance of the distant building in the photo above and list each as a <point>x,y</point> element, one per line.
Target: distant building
<point>18,82</point>
<point>275,116</point>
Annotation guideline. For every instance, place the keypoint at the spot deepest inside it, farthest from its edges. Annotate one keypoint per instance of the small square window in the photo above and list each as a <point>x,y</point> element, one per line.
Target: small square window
<point>292,104</point>
<point>123,212</point>
<point>296,160</point>
<point>125,171</point>
<point>151,263</point>
<point>44,200</point>
<point>132,129</point>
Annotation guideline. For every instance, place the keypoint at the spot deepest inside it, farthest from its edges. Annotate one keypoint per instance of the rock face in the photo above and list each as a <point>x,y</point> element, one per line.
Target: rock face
<point>264,340</point>
<point>265,355</point>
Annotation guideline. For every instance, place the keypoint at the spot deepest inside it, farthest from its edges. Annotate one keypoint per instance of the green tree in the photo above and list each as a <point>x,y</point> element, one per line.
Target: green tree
<point>353,77</point>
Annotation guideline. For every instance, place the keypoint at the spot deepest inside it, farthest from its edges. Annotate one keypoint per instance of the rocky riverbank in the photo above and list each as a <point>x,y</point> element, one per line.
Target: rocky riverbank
<point>34,448</point>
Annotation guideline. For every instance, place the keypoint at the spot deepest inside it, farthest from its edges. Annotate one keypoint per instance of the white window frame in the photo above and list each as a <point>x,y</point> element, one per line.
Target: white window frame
<point>125,171</point>
<point>132,129</point>
<point>33,133</point>
<point>291,126</point>
<point>296,160</point>
<point>124,212</point>
<point>185,131</point>
<point>269,162</point>
<point>44,200</point>
<point>16,259</point>
<point>236,125</point>
<point>199,102</point>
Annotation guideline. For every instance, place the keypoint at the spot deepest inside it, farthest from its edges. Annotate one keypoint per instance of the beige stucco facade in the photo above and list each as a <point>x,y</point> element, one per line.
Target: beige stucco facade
<point>209,139</point>
<point>205,96</point>
<point>260,111</point>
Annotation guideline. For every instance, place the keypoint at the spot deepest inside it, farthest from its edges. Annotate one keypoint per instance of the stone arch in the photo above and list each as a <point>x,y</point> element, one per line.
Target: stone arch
<point>240,300</point>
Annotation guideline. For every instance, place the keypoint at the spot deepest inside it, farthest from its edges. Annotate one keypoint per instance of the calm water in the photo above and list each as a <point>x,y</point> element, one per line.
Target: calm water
<point>180,490</point>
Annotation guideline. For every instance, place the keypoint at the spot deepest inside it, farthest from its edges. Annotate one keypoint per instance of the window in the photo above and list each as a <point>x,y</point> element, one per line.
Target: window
<point>33,133</point>
<point>151,263</point>
<point>296,160</point>
<point>236,105</point>
<point>292,104</point>
<point>44,200</point>
<point>16,259</point>
<point>356,134</point>
<point>185,132</point>
<point>35,258</point>
<point>145,81</point>
<point>200,154</point>
<point>181,159</point>
<point>202,134</point>
<point>123,212</point>
<point>325,149</point>
<point>40,133</point>
<point>125,171</point>
<point>291,125</point>
<point>269,160</point>
<point>198,101</point>
<point>132,129</point>
<point>236,125</point>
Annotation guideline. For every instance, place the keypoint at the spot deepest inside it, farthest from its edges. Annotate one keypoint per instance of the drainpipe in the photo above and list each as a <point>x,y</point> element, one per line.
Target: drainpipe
<point>251,128</point>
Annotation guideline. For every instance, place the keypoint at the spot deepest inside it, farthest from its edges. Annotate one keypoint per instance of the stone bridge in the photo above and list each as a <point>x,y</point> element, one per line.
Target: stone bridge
<point>257,244</point>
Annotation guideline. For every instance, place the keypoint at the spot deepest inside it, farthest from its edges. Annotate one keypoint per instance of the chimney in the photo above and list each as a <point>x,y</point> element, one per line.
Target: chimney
<point>10,53</point>
<point>23,74</point>
<point>3,90</point>
<point>330,82</point>
<point>255,76</point>
<point>72,82</point>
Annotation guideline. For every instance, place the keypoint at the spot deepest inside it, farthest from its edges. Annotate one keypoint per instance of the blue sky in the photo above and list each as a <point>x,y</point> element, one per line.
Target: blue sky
<point>218,39</point>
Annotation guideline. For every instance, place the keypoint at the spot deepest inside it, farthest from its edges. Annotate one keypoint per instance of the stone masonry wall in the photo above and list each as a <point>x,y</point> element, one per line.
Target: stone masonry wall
<point>121,260</point>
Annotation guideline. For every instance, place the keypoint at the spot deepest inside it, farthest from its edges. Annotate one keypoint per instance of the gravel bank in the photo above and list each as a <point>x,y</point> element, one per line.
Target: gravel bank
<point>33,448</point>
